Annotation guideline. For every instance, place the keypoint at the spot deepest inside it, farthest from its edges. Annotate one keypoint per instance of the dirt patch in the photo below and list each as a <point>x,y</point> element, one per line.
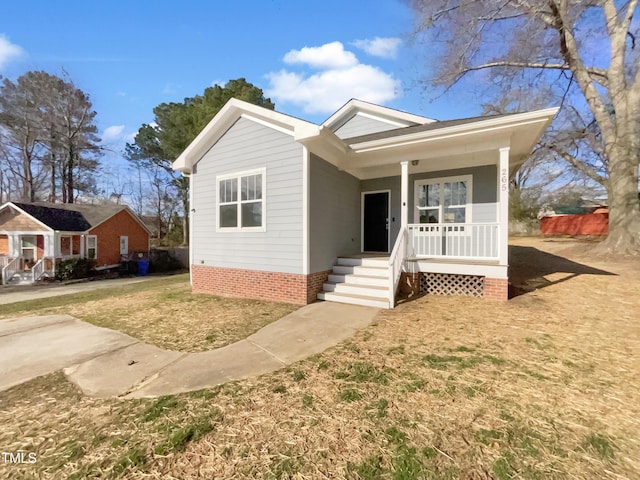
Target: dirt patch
<point>543,386</point>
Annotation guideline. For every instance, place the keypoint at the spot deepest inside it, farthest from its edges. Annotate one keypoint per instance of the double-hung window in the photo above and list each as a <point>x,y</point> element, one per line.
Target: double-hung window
<point>241,201</point>
<point>443,200</point>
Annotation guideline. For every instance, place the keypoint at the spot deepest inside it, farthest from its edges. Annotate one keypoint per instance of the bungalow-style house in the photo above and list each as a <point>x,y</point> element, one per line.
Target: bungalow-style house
<point>349,210</point>
<point>34,237</point>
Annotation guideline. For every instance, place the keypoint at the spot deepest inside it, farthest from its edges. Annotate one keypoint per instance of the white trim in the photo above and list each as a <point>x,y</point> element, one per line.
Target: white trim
<point>380,119</point>
<point>459,268</point>
<point>362,194</point>
<point>354,106</point>
<point>226,117</point>
<point>429,181</point>
<point>88,237</point>
<point>481,126</point>
<point>191,214</point>
<point>264,123</point>
<point>238,175</point>
<point>15,207</point>
<point>503,204</point>
<point>306,160</point>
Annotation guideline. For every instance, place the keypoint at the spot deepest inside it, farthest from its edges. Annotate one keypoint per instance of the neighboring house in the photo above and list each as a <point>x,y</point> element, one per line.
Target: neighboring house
<point>34,237</point>
<point>284,209</point>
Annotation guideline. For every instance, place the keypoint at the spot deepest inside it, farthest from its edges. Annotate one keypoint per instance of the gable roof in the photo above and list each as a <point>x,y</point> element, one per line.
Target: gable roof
<point>55,218</point>
<point>73,217</point>
<point>228,115</point>
<point>390,115</point>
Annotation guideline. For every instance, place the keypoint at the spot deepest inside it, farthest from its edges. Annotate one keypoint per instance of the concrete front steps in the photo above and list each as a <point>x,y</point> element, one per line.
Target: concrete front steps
<point>359,281</point>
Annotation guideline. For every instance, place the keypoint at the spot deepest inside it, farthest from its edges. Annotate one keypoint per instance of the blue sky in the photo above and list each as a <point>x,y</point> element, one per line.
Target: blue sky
<point>309,57</point>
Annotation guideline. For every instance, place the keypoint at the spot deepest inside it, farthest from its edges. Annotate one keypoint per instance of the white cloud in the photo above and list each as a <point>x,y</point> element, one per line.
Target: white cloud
<point>112,133</point>
<point>329,55</point>
<point>8,51</point>
<point>341,78</point>
<point>379,47</point>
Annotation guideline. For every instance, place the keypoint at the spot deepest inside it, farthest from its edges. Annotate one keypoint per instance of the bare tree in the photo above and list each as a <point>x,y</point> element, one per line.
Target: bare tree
<point>47,136</point>
<point>586,49</point>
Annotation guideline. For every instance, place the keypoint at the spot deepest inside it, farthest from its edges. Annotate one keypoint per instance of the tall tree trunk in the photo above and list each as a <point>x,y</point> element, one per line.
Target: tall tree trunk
<point>52,190</point>
<point>624,206</point>
<point>70,174</point>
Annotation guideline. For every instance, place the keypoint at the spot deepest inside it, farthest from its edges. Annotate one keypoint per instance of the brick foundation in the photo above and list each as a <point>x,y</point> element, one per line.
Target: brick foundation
<point>257,284</point>
<point>496,288</point>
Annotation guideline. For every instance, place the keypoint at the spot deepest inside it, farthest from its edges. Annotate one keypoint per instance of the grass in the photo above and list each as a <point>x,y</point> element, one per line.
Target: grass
<point>162,312</point>
<point>544,386</point>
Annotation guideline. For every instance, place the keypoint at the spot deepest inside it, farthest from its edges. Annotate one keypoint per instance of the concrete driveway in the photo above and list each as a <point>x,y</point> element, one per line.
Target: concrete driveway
<point>106,363</point>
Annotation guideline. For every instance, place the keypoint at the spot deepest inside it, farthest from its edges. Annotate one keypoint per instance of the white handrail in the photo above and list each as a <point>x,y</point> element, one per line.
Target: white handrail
<point>37,270</point>
<point>9,270</point>
<point>4,260</point>
<point>396,261</point>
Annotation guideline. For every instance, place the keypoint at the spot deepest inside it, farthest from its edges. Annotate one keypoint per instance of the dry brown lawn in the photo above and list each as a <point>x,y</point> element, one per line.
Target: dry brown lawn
<point>165,313</point>
<point>543,386</point>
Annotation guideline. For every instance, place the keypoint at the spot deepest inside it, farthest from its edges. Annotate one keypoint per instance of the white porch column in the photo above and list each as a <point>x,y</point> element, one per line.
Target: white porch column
<point>404,194</point>
<point>503,205</point>
<point>49,245</point>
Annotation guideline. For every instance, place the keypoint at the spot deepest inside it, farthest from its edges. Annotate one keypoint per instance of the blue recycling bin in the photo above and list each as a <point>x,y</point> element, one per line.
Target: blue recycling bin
<point>143,267</point>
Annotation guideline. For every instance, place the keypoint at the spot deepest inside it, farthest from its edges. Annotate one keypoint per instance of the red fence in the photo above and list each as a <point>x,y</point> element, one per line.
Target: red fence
<point>588,224</point>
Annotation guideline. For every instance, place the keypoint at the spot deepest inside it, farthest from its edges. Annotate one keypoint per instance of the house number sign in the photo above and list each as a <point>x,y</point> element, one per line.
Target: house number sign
<point>504,180</point>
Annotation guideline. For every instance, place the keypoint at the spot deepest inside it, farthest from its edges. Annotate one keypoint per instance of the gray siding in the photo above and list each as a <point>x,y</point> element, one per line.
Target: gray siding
<point>334,219</point>
<point>483,210</point>
<point>248,145</point>
<point>360,125</point>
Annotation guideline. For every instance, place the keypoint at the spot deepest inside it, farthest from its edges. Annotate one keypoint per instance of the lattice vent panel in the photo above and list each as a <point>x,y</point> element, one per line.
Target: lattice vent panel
<point>447,284</point>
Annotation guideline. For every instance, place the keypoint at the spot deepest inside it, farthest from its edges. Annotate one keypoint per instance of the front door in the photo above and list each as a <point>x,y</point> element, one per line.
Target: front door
<point>375,222</point>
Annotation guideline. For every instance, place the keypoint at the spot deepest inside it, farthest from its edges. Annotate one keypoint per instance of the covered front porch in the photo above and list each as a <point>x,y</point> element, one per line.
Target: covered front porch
<point>32,256</point>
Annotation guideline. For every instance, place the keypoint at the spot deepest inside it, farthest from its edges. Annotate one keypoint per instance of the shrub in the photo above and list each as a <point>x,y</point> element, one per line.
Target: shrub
<point>75,268</point>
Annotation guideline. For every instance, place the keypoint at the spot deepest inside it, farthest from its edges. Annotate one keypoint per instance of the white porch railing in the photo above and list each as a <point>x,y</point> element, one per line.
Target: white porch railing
<point>10,269</point>
<point>463,241</point>
<point>396,262</point>
<point>38,270</point>
<point>4,260</point>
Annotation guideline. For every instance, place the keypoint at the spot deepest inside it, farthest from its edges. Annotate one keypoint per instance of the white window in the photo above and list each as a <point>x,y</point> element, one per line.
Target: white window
<point>443,200</point>
<point>92,246</point>
<point>241,201</point>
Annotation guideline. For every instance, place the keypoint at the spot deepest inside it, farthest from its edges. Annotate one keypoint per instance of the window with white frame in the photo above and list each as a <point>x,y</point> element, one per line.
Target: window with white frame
<point>92,246</point>
<point>443,200</point>
<point>241,199</point>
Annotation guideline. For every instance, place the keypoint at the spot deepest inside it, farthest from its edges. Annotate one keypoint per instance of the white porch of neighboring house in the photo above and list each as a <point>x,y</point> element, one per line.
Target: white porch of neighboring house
<point>443,235</point>
<point>33,255</point>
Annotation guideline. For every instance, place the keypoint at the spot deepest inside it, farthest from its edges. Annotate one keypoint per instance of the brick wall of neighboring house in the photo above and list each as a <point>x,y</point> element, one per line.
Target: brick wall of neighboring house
<point>4,245</point>
<point>10,220</point>
<point>496,288</point>
<point>256,284</point>
<point>39,246</point>
<point>108,235</point>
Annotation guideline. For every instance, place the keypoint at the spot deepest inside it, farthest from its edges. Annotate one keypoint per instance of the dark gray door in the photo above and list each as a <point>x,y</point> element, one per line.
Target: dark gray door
<point>376,222</point>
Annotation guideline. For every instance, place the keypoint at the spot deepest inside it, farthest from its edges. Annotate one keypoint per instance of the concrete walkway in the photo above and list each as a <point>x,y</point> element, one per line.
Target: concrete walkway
<point>105,363</point>
<point>21,293</point>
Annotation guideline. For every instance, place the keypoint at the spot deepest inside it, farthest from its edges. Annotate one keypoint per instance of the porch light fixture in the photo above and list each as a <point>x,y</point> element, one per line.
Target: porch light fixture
<point>415,162</point>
